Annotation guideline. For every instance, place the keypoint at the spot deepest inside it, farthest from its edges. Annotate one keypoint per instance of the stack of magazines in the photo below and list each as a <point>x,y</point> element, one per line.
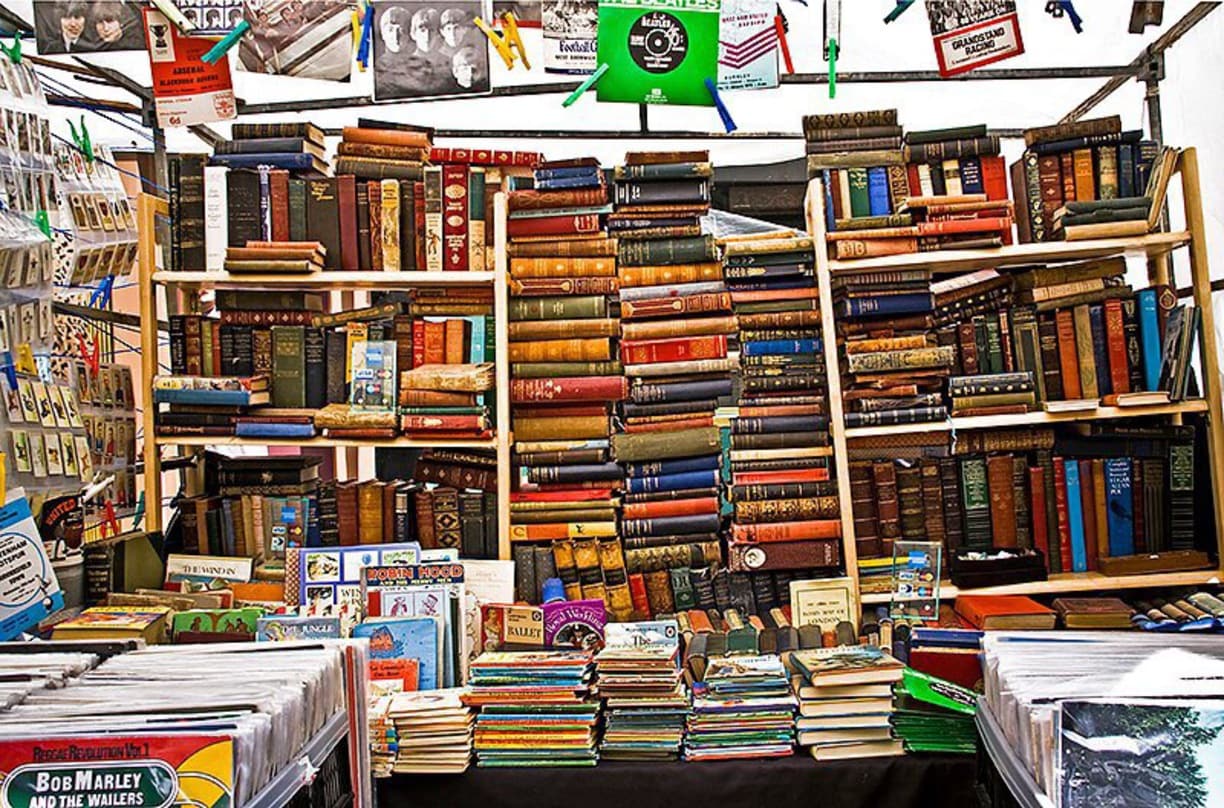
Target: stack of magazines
<point>744,709</point>
<point>646,701</point>
<point>433,731</point>
<point>535,708</point>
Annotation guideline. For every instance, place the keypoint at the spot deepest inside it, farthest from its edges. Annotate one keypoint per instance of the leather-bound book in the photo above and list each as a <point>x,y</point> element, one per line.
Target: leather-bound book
<point>545,568</point>
<point>888,507</point>
<point>567,568</point>
<point>369,512</point>
<point>347,513</point>
<point>999,474</point>
<point>524,574</point>
<point>425,520</point>
<point>448,531</point>
<point>323,217</point>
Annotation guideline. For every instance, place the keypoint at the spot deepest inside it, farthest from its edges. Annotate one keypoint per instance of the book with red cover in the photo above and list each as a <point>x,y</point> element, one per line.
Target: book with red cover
<point>571,224</point>
<point>278,200</point>
<point>788,531</point>
<point>790,476</point>
<point>346,197</point>
<point>1037,511</point>
<point>962,666</point>
<point>455,217</point>
<point>1060,505</point>
<point>670,507</point>
<point>1115,347</point>
<point>638,352</point>
<point>994,178</point>
<point>569,388</point>
<point>674,306</point>
<point>485,157</point>
<point>569,494</point>
<point>1004,612</point>
<point>413,423</point>
<point>418,195</point>
<point>765,295</point>
<point>1068,358</point>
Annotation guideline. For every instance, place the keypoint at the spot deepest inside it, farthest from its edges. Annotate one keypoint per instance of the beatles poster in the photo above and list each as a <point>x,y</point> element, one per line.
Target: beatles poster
<point>658,51</point>
<point>309,40</point>
<point>87,26</point>
<point>429,49</point>
<point>971,33</point>
<point>186,90</point>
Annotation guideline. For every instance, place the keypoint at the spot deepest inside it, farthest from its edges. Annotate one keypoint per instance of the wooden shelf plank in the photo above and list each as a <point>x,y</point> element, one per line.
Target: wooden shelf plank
<point>332,280</point>
<point>1029,419</point>
<point>1076,582</point>
<point>323,442</point>
<point>957,261</point>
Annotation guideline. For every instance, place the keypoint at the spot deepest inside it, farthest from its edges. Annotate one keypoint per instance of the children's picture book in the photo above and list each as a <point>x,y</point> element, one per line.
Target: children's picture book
<point>396,642</point>
<point>283,628</point>
<point>846,665</point>
<point>32,591</point>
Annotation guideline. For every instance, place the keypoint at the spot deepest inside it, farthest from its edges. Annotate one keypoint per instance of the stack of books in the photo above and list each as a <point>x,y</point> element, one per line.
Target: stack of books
<point>276,257</point>
<point>645,700</point>
<point>779,428</point>
<point>224,405</point>
<point>536,708</point>
<point>1077,163</point>
<point>467,380</point>
<point>845,701</point>
<point>372,151</point>
<point>992,393</point>
<point>743,709</point>
<point>859,159</point>
<point>384,738</point>
<point>291,148</point>
<point>676,324</point>
<point>433,732</point>
<point>934,715</point>
<point>892,370</point>
<point>565,381</point>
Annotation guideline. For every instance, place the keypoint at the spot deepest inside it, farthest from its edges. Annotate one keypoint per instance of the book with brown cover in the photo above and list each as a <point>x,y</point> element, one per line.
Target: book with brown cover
<point>1085,355</point>
<point>278,203</point>
<point>1093,613</point>
<point>888,507</point>
<point>346,196</point>
<point>1002,500</point>
<point>1101,502</point>
<point>784,555</point>
<point>1085,175</point>
<point>423,500</point>
<point>348,513</point>
<point>1068,354</point>
<point>369,512</point>
<point>562,267</point>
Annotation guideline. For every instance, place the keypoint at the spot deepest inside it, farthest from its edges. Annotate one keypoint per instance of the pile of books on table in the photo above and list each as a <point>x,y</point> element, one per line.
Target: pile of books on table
<point>536,708</point>
<point>934,715</point>
<point>743,709</point>
<point>433,732</point>
<point>845,701</point>
<point>645,700</point>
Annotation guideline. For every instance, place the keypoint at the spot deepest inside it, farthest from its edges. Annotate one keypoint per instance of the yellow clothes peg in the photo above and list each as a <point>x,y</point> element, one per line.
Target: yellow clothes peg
<point>510,26</point>
<point>499,43</point>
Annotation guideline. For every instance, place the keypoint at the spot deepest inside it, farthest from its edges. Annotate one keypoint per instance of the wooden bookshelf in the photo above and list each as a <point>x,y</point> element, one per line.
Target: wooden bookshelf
<point>324,280</point>
<point>955,262</point>
<point>150,208</point>
<point>1156,248</point>
<point>1073,582</point>
<point>956,423</point>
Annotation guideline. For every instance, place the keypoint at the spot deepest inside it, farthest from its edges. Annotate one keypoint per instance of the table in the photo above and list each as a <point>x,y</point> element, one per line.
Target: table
<point>911,781</point>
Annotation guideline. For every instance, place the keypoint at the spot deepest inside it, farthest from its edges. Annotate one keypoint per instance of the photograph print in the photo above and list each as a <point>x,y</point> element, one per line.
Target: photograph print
<point>429,49</point>
<point>309,39</point>
<point>87,26</point>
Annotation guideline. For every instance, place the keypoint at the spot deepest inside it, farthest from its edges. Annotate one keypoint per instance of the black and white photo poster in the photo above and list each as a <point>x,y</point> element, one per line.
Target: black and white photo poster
<point>310,40</point>
<point>570,29</point>
<point>971,33</point>
<point>429,49</point>
<point>87,26</point>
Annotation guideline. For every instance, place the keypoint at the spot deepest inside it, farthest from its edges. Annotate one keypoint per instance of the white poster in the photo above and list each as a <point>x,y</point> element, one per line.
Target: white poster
<point>747,45</point>
<point>570,27</point>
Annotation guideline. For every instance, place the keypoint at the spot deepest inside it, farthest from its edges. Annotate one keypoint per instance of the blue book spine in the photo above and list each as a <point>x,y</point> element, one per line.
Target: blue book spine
<point>1075,517</point>
<point>826,184</point>
<point>479,349</point>
<point>1149,338</point>
<point>674,482</point>
<point>560,183</point>
<point>683,465</point>
<point>215,398</point>
<point>971,175</point>
<point>877,191</point>
<point>1119,506</point>
<point>890,304</point>
<point>775,347</point>
<point>1100,351</point>
<point>294,161</point>
<point>566,172</point>
<point>1126,170</point>
<point>274,430</point>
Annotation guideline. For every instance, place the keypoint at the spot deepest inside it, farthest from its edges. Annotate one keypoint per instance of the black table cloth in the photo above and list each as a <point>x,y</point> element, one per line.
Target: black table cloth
<point>911,781</point>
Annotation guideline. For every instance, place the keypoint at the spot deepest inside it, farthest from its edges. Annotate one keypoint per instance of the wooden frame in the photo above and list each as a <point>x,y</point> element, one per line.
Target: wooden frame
<point>1157,248</point>
<point>151,279</point>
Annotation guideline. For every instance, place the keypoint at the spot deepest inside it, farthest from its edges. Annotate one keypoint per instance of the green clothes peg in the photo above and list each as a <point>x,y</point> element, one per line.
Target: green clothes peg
<point>81,139</point>
<point>832,41</point>
<point>13,51</point>
<point>43,222</point>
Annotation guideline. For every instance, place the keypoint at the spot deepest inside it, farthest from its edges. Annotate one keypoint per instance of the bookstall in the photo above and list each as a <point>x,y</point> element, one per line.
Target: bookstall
<point>401,425</point>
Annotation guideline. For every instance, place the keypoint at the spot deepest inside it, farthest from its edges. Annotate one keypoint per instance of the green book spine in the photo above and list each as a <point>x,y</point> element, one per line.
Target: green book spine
<point>860,197</point>
<point>558,308</point>
<point>694,250</point>
<point>288,366</point>
<point>297,210</point>
<point>994,343</point>
<point>976,495</point>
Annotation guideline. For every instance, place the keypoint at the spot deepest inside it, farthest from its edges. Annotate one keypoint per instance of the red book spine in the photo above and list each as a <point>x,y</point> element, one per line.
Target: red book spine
<point>1037,510</point>
<point>764,295</point>
<point>670,426</point>
<point>913,180</point>
<point>418,343</point>
<point>787,409</point>
<point>346,197</point>
<point>562,495</point>
<point>1068,358</point>
<point>278,198</point>
<point>435,342</point>
<point>1137,506</point>
<point>994,178</point>
<point>1088,507</point>
<point>637,593</point>
<point>788,531</point>
<point>672,306</point>
<point>1060,504</point>
<point>954,226</point>
<point>791,476</point>
<point>554,225</point>
<point>455,217</point>
<point>444,422</point>
<point>670,507</point>
<point>1115,343</point>
<point>570,388</point>
<point>374,189</point>
<point>673,350</point>
<point>485,157</point>
<point>418,218</point>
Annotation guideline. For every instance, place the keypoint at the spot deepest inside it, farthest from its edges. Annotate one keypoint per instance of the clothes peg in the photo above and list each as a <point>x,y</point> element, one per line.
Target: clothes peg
<point>1060,8</point>
<point>513,40</point>
<point>101,296</point>
<point>832,40</point>
<point>176,17</point>
<point>499,44</point>
<point>81,139</point>
<point>225,43</point>
<point>899,9</point>
<point>723,112</point>
<point>586,85</point>
<point>138,516</point>
<point>13,51</point>
<point>90,353</point>
<point>109,518</point>
<point>780,27</point>
<point>365,43</point>
<point>44,223</point>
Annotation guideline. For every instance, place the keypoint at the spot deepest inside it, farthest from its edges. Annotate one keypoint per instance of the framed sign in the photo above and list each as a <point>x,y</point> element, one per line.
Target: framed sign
<point>971,33</point>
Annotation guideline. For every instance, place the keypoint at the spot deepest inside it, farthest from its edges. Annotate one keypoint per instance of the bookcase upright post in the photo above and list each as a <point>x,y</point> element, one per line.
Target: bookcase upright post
<point>501,313</point>
<point>147,209</point>
<point>1200,281</point>
<point>815,215</point>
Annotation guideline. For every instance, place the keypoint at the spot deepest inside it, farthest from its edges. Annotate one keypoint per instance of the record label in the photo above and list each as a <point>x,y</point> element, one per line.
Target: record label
<point>658,42</point>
